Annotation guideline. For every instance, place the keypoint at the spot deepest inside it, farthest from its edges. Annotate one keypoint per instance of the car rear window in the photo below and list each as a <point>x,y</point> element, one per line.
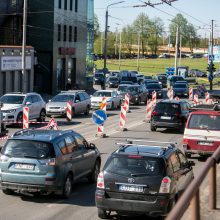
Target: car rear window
<point>129,166</point>
<point>179,85</point>
<point>28,149</point>
<point>62,98</point>
<point>102,94</point>
<point>206,122</point>
<point>171,108</point>
<point>153,86</point>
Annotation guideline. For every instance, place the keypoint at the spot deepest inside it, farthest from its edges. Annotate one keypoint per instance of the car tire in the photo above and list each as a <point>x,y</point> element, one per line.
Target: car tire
<point>113,106</point>
<point>19,120</point>
<point>8,191</point>
<point>153,128</point>
<point>73,112</point>
<point>139,101</point>
<point>67,187</point>
<point>103,214</point>
<point>92,178</point>
<point>119,105</point>
<point>87,110</point>
<point>42,116</point>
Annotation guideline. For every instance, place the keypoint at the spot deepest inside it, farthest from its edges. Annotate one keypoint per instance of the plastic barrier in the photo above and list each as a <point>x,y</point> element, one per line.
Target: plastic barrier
<point>196,99</point>
<point>25,117</point>
<point>154,98</point>
<point>123,118</point>
<point>69,111</point>
<point>148,110</point>
<point>170,94</point>
<point>190,94</point>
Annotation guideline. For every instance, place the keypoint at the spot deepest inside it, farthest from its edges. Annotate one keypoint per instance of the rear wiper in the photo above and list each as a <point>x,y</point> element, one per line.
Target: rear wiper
<point>26,156</point>
<point>139,174</point>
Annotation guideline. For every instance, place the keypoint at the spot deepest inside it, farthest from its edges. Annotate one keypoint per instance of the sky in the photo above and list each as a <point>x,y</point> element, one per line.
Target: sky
<point>197,12</point>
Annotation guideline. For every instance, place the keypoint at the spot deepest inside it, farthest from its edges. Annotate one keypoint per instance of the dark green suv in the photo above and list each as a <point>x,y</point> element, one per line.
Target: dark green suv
<point>47,161</point>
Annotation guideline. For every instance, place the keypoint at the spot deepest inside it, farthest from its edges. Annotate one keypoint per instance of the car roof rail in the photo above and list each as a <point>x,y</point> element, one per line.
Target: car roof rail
<point>23,131</point>
<point>131,141</point>
<point>72,90</point>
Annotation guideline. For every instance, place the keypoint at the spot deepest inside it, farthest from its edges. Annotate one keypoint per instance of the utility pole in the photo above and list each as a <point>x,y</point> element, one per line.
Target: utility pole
<point>180,50</point>
<point>176,54</point>
<point>24,77</point>
<point>211,61</point>
<point>101,49</point>
<point>116,41</point>
<point>138,55</point>
<point>119,55</point>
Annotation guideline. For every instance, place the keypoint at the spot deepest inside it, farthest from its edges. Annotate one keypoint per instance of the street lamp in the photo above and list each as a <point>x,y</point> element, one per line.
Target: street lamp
<point>105,40</point>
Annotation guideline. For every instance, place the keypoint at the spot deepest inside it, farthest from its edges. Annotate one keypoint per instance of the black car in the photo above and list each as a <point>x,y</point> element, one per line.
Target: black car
<point>112,82</point>
<point>154,87</point>
<point>180,89</point>
<point>141,178</point>
<point>98,78</point>
<point>162,79</point>
<point>170,114</point>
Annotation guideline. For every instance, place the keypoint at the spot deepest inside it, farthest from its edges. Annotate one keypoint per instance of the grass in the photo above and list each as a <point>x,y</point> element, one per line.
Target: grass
<point>154,66</point>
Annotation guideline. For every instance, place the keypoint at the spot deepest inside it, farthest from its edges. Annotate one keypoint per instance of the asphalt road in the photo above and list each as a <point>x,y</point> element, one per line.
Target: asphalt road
<point>81,205</point>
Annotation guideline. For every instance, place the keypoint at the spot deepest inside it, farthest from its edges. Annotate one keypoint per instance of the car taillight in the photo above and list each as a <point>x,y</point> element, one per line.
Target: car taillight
<point>165,185</point>
<point>49,162</point>
<point>154,113</point>
<point>185,141</point>
<point>100,181</point>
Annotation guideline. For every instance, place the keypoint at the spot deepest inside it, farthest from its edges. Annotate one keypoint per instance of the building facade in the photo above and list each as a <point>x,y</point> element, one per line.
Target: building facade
<point>61,32</point>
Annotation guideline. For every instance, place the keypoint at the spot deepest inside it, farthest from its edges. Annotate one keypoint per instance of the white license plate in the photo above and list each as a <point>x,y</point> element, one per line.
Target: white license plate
<point>24,166</point>
<point>205,143</point>
<point>165,117</point>
<point>134,188</point>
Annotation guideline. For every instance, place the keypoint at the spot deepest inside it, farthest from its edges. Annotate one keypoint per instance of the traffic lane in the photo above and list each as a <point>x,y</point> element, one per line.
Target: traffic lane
<point>81,204</point>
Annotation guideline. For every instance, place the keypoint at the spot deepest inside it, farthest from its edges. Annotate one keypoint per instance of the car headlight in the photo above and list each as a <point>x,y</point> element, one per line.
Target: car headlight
<point>10,111</point>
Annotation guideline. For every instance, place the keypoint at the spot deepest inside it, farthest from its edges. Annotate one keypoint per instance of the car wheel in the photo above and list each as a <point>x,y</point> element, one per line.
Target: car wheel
<point>67,187</point>
<point>103,214</point>
<point>42,116</point>
<point>8,191</point>
<point>73,112</point>
<point>92,178</point>
<point>139,101</point>
<point>20,120</point>
<point>153,128</point>
<point>87,110</point>
<point>113,106</point>
<point>119,104</point>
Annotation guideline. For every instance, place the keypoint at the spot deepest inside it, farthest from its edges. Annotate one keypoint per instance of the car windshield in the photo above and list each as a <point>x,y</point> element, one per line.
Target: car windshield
<point>102,94</point>
<point>128,166</point>
<point>113,79</point>
<point>133,89</point>
<point>28,149</point>
<point>122,88</point>
<point>153,86</point>
<point>62,98</point>
<point>203,121</point>
<point>162,77</point>
<point>179,85</point>
<point>12,99</point>
<point>147,77</point>
<point>170,108</point>
<point>177,79</point>
<point>131,79</point>
<point>98,75</point>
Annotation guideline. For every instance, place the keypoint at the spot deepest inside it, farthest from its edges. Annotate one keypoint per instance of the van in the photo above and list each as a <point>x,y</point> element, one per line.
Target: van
<point>202,132</point>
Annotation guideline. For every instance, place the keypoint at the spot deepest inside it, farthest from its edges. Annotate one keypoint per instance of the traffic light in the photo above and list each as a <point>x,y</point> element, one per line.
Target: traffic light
<point>211,67</point>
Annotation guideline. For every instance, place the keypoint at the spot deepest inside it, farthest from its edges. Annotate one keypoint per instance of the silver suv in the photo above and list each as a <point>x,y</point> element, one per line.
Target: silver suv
<point>81,103</point>
<point>13,104</point>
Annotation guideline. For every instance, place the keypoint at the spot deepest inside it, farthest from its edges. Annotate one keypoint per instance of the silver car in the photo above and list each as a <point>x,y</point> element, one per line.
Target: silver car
<point>81,103</point>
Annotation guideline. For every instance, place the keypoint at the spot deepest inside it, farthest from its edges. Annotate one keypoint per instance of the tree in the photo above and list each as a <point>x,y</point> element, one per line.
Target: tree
<point>142,26</point>
<point>127,38</point>
<point>96,27</point>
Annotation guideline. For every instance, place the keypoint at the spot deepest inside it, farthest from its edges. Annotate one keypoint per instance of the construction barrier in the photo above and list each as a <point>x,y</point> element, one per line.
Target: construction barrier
<point>207,98</point>
<point>25,117</point>
<point>69,111</point>
<point>196,99</point>
<point>100,128</point>
<point>154,98</point>
<point>177,98</point>
<point>170,94</point>
<point>148,110</point>
<point>123,118</point>
<point>190,94</point>
<point>126,104</point>
<point>103,104</point>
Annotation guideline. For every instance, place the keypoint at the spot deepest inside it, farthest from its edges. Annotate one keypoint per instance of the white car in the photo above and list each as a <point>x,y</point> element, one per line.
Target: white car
<point>113,99</point>
<point>13,104</point>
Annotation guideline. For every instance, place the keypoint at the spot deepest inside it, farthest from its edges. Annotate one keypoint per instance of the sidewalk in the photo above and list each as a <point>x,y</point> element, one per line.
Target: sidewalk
<point>205,213</point>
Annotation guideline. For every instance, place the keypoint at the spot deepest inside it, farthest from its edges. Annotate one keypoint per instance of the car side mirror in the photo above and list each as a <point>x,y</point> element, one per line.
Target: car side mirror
<point>49,100</point>
<point>76,101</point>
<point>28,103</point>
<point>92,146</point>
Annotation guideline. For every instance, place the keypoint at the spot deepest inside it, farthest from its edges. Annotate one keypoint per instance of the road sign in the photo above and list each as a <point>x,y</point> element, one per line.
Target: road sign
<point>99,116</point>
<point>211,57</point>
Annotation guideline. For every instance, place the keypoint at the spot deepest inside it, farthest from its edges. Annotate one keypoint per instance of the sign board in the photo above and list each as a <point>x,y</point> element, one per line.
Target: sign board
<point>14,63</point>
<point>99,116</point>
<point>52,125</point>
<point>216,54</point>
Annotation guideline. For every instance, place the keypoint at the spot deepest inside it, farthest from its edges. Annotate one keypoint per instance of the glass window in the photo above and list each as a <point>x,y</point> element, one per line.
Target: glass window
<point>65,4</point>
<point>82,143</point>
<point>76,5</point>
<point>77,99</point>
<point>29,99</point>
<point>59,32</point>
<point>35,98</point>
<point>75,34</point>
<point>70,144</point>
<point>71,5</point>
<point>62,98</point>
<point>70,33</point>
<point>12,99</point>
<point>82,98</point>
<point>60,3</point>
<point>62,146</point>
<point>86,95</point>
<point>64,33</point>
<point>175,162</point>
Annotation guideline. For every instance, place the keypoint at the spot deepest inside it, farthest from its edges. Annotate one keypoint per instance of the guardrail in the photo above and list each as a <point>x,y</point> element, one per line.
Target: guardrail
<point>192,192</point>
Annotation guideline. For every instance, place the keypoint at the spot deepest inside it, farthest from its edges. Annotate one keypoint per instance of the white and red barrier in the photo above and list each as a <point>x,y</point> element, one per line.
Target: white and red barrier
<point>148,110</point>
<point>25,117</point>
<point>177,98</point>
<point>126,104</point>
<point>100,128</point>
<point>170,94</point>
<point>122,118</point>
<point>103,104</point>
<point>69,111</point>
<point>207,98</point>
<point>190,94</point>
<point>154,98</point>
<point>196,99</point>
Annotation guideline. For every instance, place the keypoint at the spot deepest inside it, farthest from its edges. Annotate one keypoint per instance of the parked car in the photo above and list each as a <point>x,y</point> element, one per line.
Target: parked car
<point>113,99</point>
<point>140,78</point>
<point>154,87</point>
<point>137,94</point>
<point>13,104</point>
<point>201,135</point>
<point>162,79</point>
<point>141,178</point>
<point>47,161</point>
<point>197,73</point>
<point>80,100</point>
<point>180,89</point>
<point>98,78</point>
<point>196,55</point>
<point>170,114</point>
<point>112,82</point>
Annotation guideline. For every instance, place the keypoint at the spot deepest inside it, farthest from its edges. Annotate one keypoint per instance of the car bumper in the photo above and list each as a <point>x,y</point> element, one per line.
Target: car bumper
<point>166,124</point>
<point>9,118</point>
<point>154,208</point>
<point>55,112</point>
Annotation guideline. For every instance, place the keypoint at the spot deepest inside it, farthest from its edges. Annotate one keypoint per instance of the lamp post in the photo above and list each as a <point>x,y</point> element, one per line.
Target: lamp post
<point>105,40</point>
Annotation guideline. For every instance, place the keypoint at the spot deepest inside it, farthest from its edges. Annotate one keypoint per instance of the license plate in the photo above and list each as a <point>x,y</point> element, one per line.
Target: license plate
<point>24,166</point>
<point>205,143</point>
<point>133,188</point>
<point>165,117</point>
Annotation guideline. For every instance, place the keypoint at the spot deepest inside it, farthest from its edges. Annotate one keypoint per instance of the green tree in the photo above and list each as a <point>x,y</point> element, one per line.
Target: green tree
<point>96,27</point>
<point>127,38</point>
